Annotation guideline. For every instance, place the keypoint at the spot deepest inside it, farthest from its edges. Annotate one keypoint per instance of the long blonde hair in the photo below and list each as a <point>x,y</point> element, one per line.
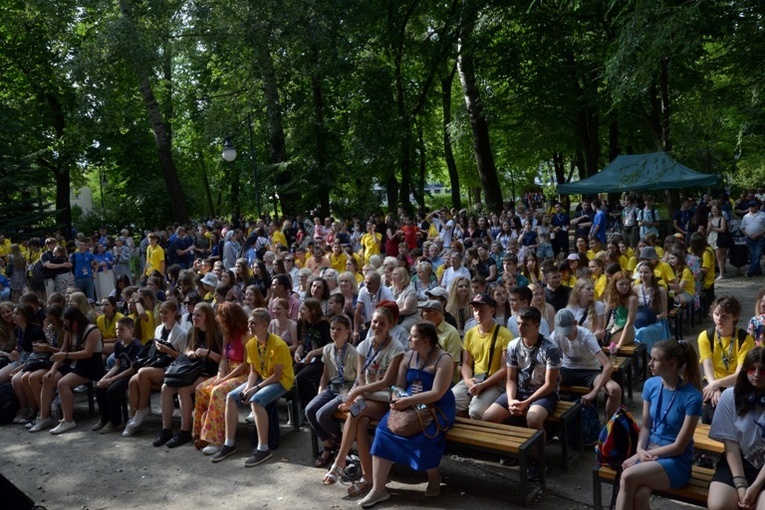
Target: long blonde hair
<point>575,296</point>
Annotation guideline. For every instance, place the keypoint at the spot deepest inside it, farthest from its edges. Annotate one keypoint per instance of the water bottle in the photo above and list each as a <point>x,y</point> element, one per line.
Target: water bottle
<point>399,392</point>
<point>612,353</point>
<point>54,414</point>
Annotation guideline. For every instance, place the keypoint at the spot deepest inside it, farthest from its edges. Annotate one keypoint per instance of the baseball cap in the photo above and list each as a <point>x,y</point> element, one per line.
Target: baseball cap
<point>754,203</point>
<point>431,304</point>
<point>210,279</point>
<point>438,292</point>
<point>648,253</point>
<point>572,256</point>
<point>564,322</point>
<point>483,299</point>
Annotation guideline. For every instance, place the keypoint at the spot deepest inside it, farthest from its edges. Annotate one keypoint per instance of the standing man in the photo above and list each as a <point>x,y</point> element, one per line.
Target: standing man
<point>84,264</point>
<point>681,220</point>
<point>370,243</point>
<point>483,364</point>
<point>583,220</point>
<point>648,218</point>
<point>599,222</point>
<point>560,223</point>
<point>753,227</point>
<point>155,256</point>
<point>629,222</point>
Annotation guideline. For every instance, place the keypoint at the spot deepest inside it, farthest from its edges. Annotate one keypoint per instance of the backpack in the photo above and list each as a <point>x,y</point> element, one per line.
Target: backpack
<point>9,404</point>
<point>590,423</point>
<point>618,440</point>
<point>742,334</point>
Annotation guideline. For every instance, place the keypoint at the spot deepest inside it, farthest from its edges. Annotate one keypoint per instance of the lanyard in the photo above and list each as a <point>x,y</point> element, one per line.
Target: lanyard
<point>725,359</point>
<point>262,357</point>
<point>372,356</point>
<point>340,361</point>
<point>669,406</point>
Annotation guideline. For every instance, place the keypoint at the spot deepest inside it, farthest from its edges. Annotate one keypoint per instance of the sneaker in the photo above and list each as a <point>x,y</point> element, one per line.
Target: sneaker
<point>32,423</point>
<point>139,417</point>
<point>63,427</point>
<point>720,277</point>
<point>129,429</point>
<point>224,452</point>
<point>82,388</point>
<point>42,425</point>
<point>108,428</point>
<point>250,418</point>
<point>258,457</point>
<point>163,437</point>
<point>98,426</point>
<point>181,438</point>
<point>373,498</point>
<point>24,416</point>
<point>211,449</point>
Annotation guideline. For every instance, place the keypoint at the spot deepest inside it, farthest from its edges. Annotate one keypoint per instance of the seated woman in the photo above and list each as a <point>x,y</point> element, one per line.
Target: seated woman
<point>141,310</point>
<point>671,410</point>
<point>203,341</point>
<point>737,424</point>
<point>107,323</point>
<point>210,395</point>
<point>78,362</point>
<point>599,279</point>
<point>31,338</point>
<point>112,387</point>
<point>621,307</point>
<point>378,361</point>
<point>756,325</point>
<point>281,325</point>
<point>312,335</point>
<point>684,286</point>
<point>340,360</point>
<point>539,302</point>
<point>426,373</point>
<point>651,323</point>
<point>147,378</point>
<point>405,296</point>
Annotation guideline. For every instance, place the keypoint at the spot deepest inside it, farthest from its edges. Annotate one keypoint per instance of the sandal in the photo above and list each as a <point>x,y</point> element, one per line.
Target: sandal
<point>334,475</point>
<point>359,487</point>
<point>324,458</point>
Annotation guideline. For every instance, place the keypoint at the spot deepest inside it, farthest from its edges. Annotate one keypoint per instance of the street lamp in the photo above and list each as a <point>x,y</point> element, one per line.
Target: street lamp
<point>229,151</point>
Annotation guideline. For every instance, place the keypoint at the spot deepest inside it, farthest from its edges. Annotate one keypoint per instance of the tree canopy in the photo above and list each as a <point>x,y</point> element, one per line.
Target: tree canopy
<point>347,107</point>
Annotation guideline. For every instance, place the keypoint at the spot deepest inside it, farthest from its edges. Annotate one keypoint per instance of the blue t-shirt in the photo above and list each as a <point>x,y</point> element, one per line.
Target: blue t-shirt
<point>601,222</point>
<point>82,264</point>
<point>666,419</point>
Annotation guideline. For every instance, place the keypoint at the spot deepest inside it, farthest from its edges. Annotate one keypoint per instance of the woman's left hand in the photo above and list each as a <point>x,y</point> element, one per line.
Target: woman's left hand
<point>400,404</point>
<point>308,358</point>
<point>59,356</point>
<point>201,353</point>
<point>750,497</point>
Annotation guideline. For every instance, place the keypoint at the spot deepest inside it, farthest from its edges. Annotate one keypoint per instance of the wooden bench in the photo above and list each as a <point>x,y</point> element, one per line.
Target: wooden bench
<point>493,438</point>
<point>695,493</point>
<point>636,352</point>
<point>622,375</point>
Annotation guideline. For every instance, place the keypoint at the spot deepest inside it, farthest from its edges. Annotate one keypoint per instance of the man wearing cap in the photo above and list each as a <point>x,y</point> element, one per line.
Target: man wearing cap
<point>442,296</point>
<point>661,269</point>
<point>753,227</point>
<point>448,337</point>
<point>483,368</point>
<point>533,363</point>
<point>584,362</point>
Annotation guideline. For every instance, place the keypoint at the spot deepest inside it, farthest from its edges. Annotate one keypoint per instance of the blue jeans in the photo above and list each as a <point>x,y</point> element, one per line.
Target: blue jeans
<point>86,286</point>
<point>265,396</point>
<point>755,254</point>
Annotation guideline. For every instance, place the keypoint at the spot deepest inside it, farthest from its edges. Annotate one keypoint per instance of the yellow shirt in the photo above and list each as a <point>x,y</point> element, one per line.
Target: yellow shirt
<point>147,327</point>
<point>722,344</point>
<point>337,262</point>
<point>601,283</point>
<point>708,261</point>
<point>624,263</point>
<point>664,272</point>
<point>108,328</point>
<point>155,255</point>
<point>371,245</point>
<point>687,283</point>
<point>275,352</point>
<point>5,247</point>
<point>479,345</point>
<point>659,251</point>
<point>632,264</point>
<point>278,238</point>
<point>570,282</point>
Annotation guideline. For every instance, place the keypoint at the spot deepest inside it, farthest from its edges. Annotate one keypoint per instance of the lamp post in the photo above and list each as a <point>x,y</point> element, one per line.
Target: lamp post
<point>229,151</point>
<point>229,155</point>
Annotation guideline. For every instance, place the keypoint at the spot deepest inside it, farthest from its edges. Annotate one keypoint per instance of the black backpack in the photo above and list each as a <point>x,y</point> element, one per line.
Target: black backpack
<point>9,404</point>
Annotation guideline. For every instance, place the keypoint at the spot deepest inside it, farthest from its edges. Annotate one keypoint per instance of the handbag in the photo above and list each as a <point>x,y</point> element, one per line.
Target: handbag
<point>724,239</point>
<point>183,371</point>
<point>148,357</point>
<point>414,420</point>
<point>37,361</point>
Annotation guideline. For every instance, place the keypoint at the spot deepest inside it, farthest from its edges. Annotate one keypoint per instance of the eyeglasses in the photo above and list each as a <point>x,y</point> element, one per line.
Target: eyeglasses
<point>186,302</point>
<point>755,370</point>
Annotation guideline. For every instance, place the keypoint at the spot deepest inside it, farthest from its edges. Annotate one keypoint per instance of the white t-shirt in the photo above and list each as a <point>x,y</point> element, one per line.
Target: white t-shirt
<point>747,430</point>
<point>600,311</point>
<point>377,363</point>
<point>371,302</point>
<point>580,352</point>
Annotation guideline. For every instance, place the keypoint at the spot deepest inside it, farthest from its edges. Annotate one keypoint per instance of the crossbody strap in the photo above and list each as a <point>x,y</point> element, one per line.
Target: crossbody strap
<point>491,352</point>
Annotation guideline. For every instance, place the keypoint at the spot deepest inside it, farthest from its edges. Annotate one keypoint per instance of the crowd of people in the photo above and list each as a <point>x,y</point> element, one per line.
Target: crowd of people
<point>481,316</point>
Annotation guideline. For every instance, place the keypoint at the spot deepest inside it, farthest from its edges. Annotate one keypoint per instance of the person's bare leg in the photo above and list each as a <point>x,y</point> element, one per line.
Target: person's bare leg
<point>65,385</point>
<point>35,384</point>
<point>167,406</point>
<point>232,419</point>
<point>380,471</point>
<point>261,422</point>
<point>17,385</point>
<point>613,398</point>
<point>187,406</point>
<point>47,393</point>
<point>133,394</point>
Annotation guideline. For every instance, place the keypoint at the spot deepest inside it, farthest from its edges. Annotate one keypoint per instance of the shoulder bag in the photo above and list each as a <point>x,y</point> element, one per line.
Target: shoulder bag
<point>183,371</point>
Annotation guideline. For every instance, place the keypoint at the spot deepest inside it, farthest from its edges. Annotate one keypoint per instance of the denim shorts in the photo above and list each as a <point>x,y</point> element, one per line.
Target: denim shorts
<point>263,397</point>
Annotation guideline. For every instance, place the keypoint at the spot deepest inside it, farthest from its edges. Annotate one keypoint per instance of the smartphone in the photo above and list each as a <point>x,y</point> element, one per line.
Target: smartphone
<point>479,378</point>
<point>357,407</point>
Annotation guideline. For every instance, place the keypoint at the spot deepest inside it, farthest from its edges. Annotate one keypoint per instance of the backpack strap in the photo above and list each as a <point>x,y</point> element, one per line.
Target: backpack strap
<point>742,334</point>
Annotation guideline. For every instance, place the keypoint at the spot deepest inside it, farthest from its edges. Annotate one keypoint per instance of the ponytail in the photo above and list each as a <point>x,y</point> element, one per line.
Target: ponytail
<point>687,359</point>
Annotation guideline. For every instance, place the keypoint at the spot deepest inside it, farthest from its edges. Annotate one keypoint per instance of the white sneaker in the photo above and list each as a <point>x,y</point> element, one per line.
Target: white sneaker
<point>42,425</point>
<point>129,429</point>
<point>250,418</point>
<point>63,427</point>
<point>139,416</point>
<point>211,449</point>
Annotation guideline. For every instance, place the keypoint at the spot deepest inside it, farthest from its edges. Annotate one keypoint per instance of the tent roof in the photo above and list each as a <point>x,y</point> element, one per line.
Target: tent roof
<point>640,172</point>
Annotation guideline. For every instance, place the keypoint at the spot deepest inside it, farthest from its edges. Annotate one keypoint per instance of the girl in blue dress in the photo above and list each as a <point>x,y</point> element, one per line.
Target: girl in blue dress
<point>426,373</point>
<point>671,410</point>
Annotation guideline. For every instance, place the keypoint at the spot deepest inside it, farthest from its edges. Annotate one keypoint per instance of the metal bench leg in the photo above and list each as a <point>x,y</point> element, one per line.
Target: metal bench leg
<point>597,499</point>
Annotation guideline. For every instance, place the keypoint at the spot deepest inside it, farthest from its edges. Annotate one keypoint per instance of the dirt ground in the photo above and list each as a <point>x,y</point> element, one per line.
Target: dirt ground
<point>88,471</point>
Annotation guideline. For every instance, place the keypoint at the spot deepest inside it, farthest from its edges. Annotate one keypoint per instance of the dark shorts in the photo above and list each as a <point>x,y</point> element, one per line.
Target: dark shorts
<point>723,474</point>
<point>578,377</point>
<point>548,402</point>
<point>92,368</point>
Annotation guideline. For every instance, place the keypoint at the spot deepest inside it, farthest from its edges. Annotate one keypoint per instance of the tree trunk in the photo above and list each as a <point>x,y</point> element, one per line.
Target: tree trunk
<point>320,137</point>
<point>162,132</point>
<point>587,119</point>
<point>484,158</point>
<point>420,188</point>
<point>451,165</point>
<point>206,183</point>
<point>60,170</point>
